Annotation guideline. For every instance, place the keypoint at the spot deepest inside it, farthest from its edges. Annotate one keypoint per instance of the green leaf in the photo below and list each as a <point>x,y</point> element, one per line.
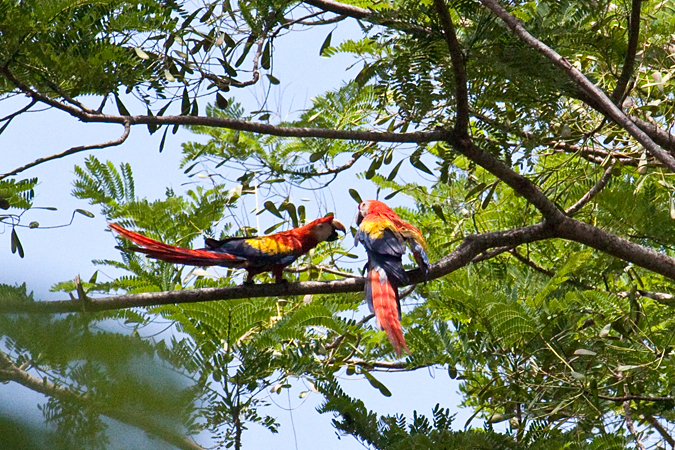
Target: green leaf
<point>415,161</point>
<point>266,56</point>
<point>140,53</point>
<point>355,195</point>
<point>584,352</point>
<point>16,243</point>
<point>438,210</point>
<point>185,105</point>
<point>271,207</point>
<point>326,44</point>
<point>221,101</point>
<point>84,212</point>
<point>163,141</point>
<point>394,171</point>
<point>120,106</point>
<point>376,383</point>
<point>578,376</point>
<point>273,80</point>
<point>499,417</point>
<point>314,157</point>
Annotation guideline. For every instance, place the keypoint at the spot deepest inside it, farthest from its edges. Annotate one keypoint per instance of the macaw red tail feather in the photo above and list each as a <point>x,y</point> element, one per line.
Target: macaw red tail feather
<point>384,300</point>
<point>178,255</point>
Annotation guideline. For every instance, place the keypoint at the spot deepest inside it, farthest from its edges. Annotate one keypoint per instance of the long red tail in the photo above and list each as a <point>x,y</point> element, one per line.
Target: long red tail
<point>178,255</point>
<point>383,298</point>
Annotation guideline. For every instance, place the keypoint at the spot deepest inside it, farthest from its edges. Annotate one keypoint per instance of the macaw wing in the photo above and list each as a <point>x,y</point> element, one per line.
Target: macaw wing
<point>379,236</point>
<point>420,255</point>
<point>385,252</point>
<point>258,251</point>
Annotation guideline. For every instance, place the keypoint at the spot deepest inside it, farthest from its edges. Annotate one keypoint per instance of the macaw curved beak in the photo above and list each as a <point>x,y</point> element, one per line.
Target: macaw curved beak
<point>359,217</point>
<point>337,225</point>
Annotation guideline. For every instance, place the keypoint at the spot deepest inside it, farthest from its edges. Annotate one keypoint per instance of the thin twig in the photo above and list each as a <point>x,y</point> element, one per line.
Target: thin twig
<point>595,190</point>
<point>71,151</point>
<point>644,398</point>
<point>10,117</point>
<point>630,426</point>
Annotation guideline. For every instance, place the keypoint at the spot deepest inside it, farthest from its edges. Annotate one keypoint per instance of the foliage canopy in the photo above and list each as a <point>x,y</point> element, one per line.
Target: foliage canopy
<point>532,137</point>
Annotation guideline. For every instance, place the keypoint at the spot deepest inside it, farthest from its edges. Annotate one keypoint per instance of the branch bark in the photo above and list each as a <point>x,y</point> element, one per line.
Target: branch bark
<point>596,94</point>
<point>630,426</point>
<point>461,256</point>
<point>654,422</point>
<point>233,124</point>
<point>458,67</point>
<point>71,151</point>
<point>629,61</point>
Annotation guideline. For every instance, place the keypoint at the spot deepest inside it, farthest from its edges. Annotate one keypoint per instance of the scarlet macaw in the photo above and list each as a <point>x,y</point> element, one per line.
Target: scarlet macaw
<point>384,235</point>
<point>270,253</point>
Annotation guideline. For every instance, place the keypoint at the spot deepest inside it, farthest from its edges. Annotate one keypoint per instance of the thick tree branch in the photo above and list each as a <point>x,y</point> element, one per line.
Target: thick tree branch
<point>460,257</point>
<point>611,244</point>
<point>522,185</point>
<point>340,8</point>
<point>629,61</point>
<point>596,94</point>
<point>659,135</point>
<point>458,67</point>
<point>595,190</point>
<point>10,372</point>
<point>654,422</point>
<point>71,151</point>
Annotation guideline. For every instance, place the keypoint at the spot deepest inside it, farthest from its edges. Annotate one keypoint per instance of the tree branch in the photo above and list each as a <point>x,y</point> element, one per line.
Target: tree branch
<point>611,244</point>
<point>457,57</point>
<point>659,135</point>
<point>340,8</point>
<point>10,372</point>
<point>71,151</point>
<point>365,14</point>
<point>232,124</point>
<point>522,185</point>
<point>595,190</point>
<point>643,398</point>
<point>461,256</point>
<point>654,422</point>
<point>630,426</point>
<point>11,117</point>
<point>629,61</point>
<point>596,94</point>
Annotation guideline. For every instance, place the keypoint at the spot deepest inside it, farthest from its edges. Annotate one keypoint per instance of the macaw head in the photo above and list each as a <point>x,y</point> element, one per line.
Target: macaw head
<point>325,229</point>
<point>371,207</point>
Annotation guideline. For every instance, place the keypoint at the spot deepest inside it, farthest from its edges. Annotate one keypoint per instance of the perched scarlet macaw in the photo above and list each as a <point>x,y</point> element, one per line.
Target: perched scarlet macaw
<point>271,253</point>
<point>384,235</point>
